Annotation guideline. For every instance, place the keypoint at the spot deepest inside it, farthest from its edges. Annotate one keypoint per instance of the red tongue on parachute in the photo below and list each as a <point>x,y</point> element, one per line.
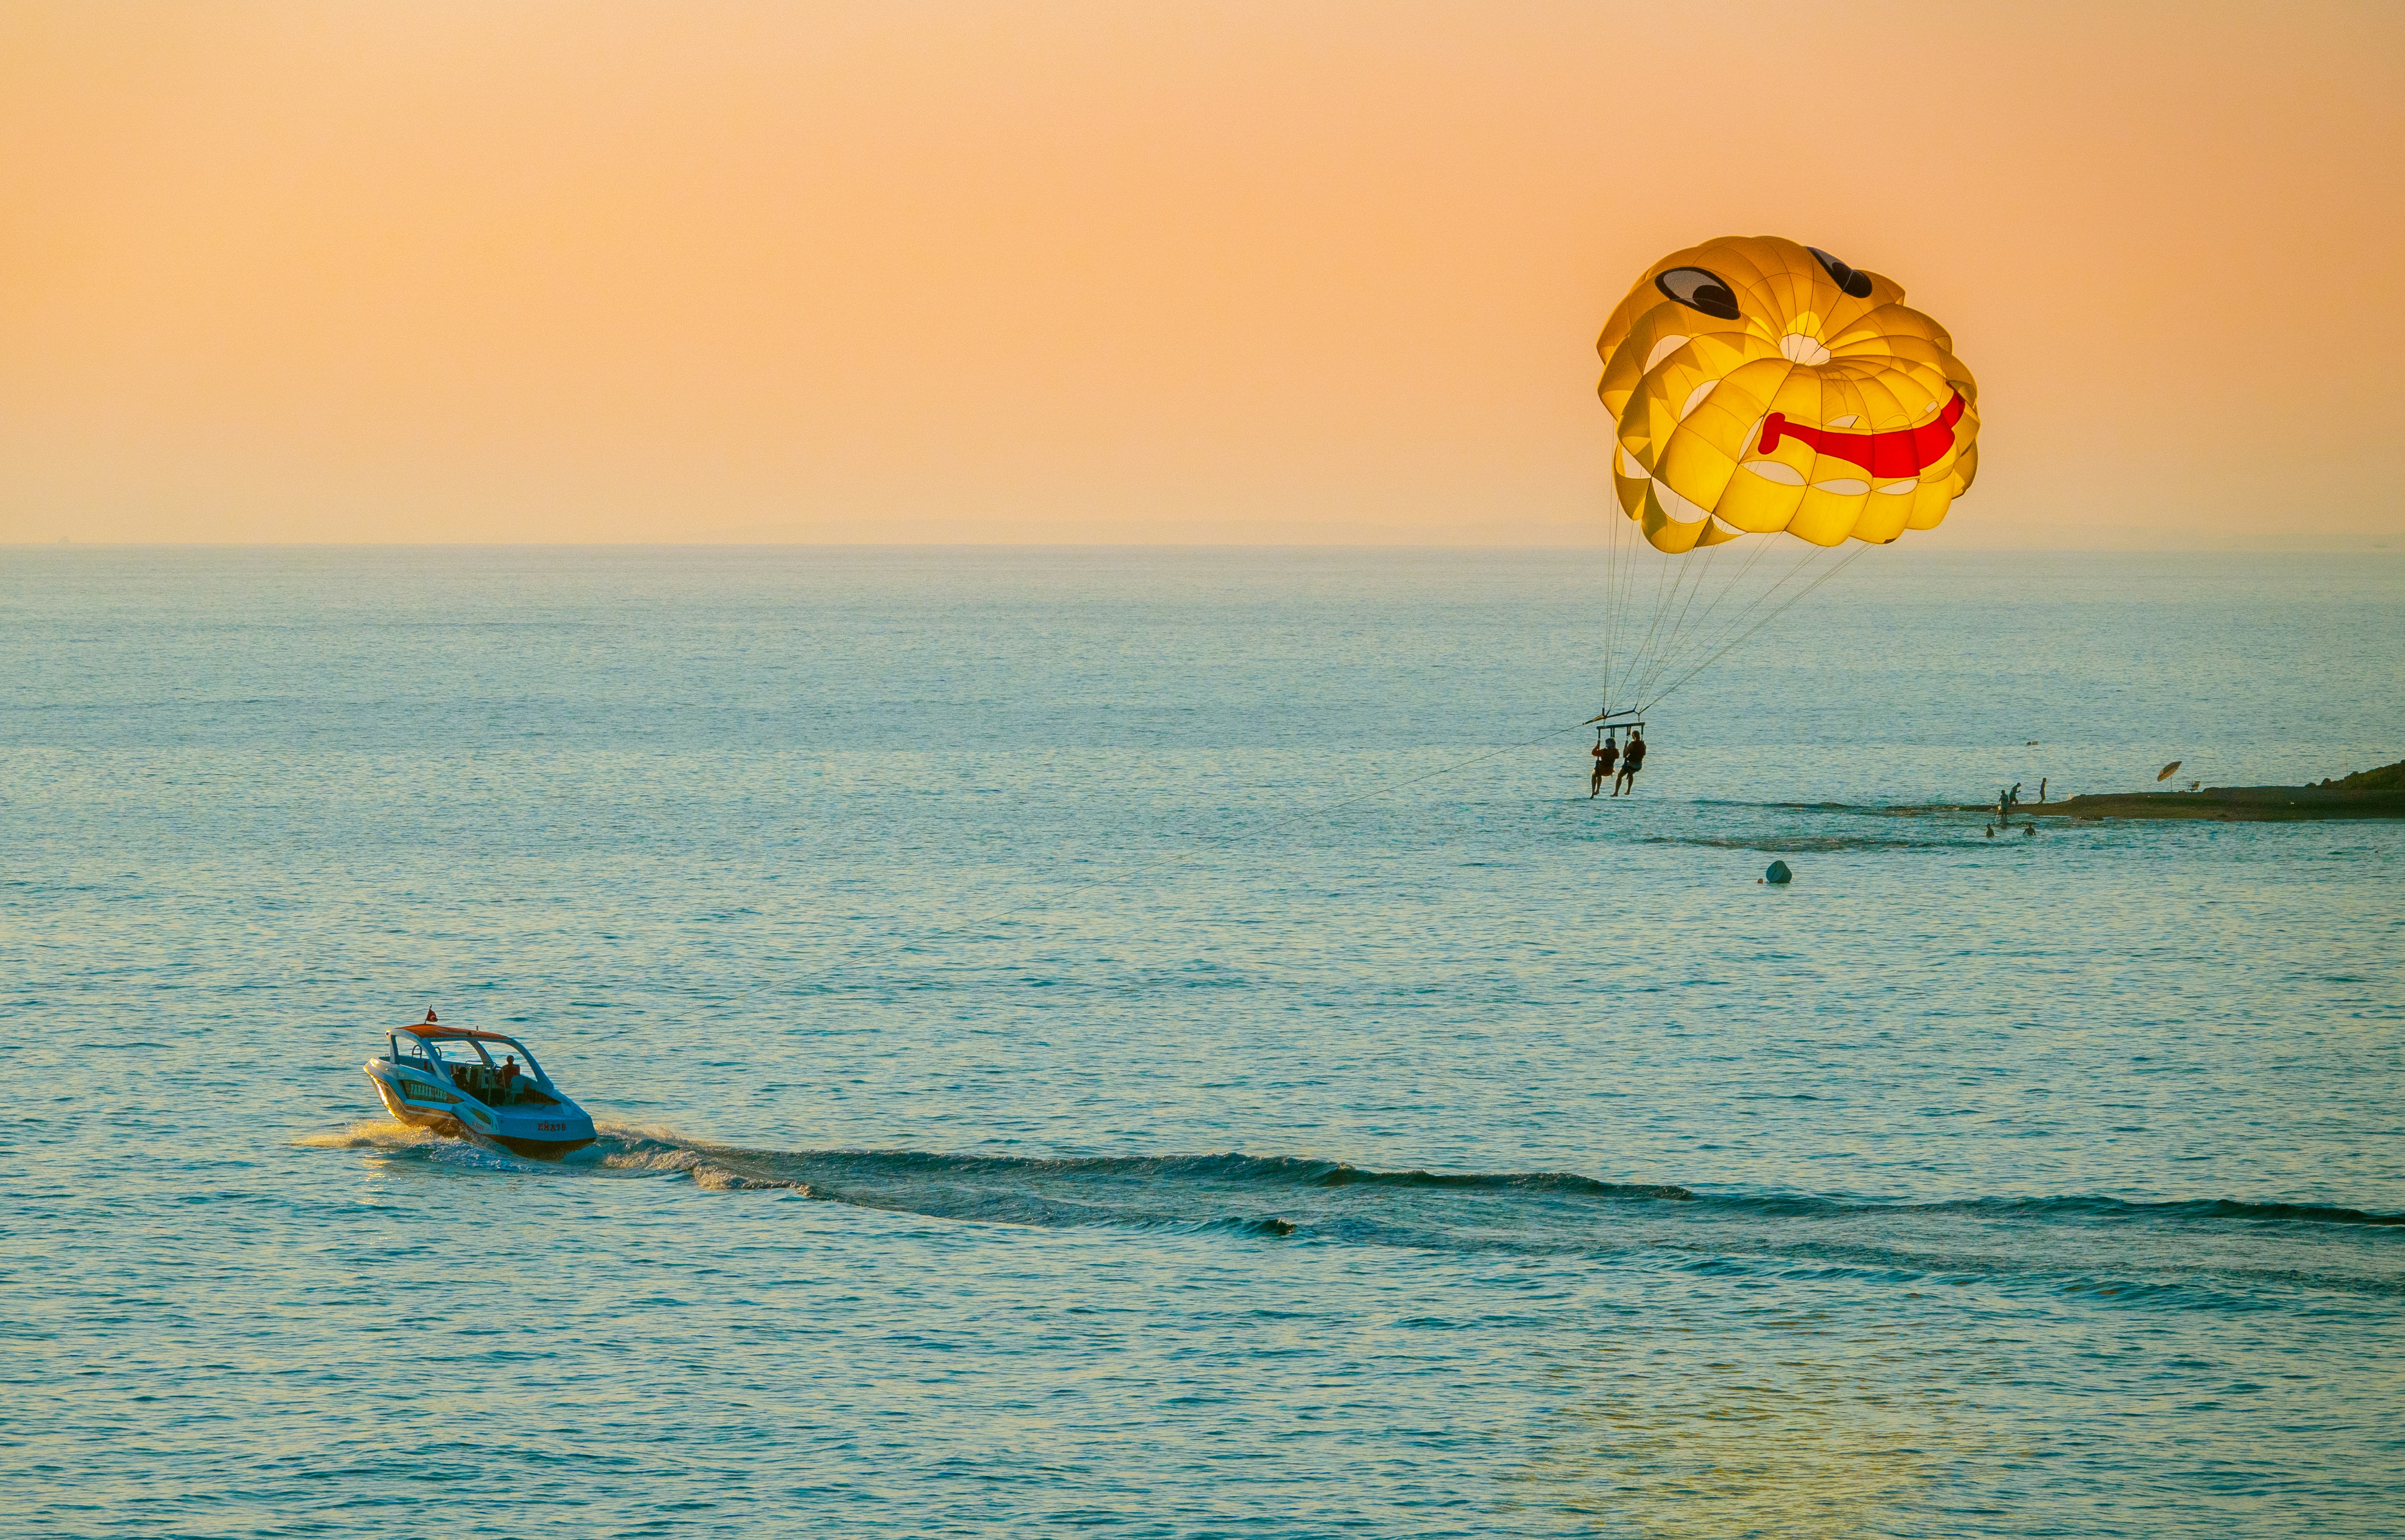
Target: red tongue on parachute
<point>1903,452</point>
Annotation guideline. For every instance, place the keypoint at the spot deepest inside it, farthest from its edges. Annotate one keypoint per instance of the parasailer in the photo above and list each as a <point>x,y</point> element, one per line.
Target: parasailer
<point>1771,401</point>
<point>1632,759</point>
<point>1606,752</point>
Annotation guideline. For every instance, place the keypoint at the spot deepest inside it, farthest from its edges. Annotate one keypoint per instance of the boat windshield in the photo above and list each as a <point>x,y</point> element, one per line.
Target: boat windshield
<point>500,1050</point>
<point>512,1048</point>
<point>498,1072</point>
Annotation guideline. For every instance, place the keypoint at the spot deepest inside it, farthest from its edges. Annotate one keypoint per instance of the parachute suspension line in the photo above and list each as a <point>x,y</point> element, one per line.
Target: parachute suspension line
<point>1826,573</point>
<point>1621,576</point>
<point>1624,602</point>
<point>1668,573</point>
<point>1697,613</point>
<point>1740,635</point>
<point>1749,617</point>
<point>1702,571</point>
<point>1703,638</point>
<point>1753,557</point>
<point>1664,579</point>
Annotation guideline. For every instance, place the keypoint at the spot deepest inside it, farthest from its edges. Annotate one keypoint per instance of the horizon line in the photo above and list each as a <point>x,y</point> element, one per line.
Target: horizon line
<point>2384,545</point>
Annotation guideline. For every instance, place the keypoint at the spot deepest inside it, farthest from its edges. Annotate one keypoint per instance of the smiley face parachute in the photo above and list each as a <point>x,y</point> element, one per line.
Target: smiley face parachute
<point>1774,406</point>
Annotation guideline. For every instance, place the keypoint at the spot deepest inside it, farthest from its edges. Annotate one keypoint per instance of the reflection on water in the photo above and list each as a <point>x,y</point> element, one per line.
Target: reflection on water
<point>1814,1431</point>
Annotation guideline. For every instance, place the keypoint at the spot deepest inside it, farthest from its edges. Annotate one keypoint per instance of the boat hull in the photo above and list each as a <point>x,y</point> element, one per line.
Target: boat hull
<point>545,1135</point>
<point>541,1149</point>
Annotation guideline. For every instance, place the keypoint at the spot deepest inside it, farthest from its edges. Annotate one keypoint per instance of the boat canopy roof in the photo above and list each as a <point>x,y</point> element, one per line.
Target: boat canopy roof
<point>437,1034</point>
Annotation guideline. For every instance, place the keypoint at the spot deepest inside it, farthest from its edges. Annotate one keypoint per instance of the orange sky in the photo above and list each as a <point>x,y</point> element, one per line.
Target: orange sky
<point>1279,273</point>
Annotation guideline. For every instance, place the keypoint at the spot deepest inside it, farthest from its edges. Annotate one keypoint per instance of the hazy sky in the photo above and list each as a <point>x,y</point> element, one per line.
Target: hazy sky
<point>1274,272</point>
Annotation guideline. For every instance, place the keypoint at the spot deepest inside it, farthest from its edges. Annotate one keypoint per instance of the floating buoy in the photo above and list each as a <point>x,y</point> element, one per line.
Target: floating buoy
<point>1779,873</point>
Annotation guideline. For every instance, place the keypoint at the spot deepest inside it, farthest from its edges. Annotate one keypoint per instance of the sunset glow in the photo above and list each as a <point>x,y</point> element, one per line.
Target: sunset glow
<point>1319,273</point>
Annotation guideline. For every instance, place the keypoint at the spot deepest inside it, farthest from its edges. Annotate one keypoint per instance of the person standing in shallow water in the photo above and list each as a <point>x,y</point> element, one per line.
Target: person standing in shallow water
<point>1632,759</point>
<point>1605,753</point>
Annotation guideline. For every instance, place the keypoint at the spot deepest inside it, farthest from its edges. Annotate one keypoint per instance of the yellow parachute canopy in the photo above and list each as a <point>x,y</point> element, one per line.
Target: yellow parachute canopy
<point>1763,386</point>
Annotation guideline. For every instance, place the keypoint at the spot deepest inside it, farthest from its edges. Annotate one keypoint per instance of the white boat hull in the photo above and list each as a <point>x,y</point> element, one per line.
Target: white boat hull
<point>544,1132</point>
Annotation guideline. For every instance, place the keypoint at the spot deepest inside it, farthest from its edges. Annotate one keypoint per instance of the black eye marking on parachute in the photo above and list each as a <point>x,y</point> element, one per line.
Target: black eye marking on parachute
<point>1856,284</point>
<point>1696,289</point>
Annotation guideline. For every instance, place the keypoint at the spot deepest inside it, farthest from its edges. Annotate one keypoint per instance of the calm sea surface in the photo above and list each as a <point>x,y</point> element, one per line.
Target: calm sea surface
<point>1042,1093</point>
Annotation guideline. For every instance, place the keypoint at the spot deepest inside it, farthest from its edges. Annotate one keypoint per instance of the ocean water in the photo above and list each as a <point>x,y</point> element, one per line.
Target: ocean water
<point>1162,1043</point>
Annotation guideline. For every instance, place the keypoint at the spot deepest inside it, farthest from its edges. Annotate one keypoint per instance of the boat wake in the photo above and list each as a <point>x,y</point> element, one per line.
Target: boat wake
<point>372,1134</point>
<point>2220,1251</point>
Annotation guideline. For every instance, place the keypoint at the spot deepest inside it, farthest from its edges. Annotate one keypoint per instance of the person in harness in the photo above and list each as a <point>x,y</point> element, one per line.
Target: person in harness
<point>1606,752</point>
<point>1632,759</point>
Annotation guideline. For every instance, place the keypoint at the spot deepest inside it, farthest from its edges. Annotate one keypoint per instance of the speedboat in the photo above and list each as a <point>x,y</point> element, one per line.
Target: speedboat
<point>485,1085</point>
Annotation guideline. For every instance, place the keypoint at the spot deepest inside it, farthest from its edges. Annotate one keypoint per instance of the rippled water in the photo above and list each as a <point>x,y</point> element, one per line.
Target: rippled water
<point>1043,1092</point>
